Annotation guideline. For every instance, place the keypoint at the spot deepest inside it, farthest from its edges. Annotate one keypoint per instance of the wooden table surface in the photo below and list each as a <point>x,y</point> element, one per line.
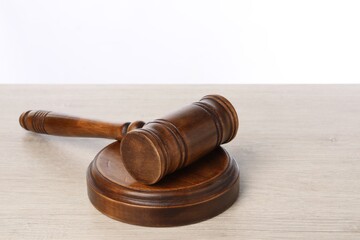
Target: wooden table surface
<point>298,149</point>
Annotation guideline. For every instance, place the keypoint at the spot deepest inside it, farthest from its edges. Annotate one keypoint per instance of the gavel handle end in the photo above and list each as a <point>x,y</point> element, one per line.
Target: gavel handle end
<point>22,119</point>
<point>51,123</point>
<point>34,121</point>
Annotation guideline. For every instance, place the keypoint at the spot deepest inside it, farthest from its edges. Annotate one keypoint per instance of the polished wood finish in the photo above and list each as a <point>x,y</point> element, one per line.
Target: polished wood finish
<point>147,153</point>
<point>297,150</point>
<point>196,193</point>
<point>160,147</point>
<point>172,142</point>
<point>47,122</point>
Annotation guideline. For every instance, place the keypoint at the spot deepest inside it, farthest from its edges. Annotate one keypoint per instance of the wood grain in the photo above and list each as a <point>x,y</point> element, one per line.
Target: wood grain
<point>47,122</point>
<point>298,150</point>
<point>197,193</point>
<point>167,144</point>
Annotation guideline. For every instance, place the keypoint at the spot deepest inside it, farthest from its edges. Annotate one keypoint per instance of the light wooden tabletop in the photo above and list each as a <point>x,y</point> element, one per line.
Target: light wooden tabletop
<point>298,149</point>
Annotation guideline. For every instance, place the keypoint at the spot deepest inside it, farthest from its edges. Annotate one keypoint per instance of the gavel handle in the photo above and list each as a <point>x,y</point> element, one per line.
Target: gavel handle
<point>51,123</point>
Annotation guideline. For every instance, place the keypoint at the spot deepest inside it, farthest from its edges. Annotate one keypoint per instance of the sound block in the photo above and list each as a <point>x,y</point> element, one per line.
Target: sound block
<point>195,193</point>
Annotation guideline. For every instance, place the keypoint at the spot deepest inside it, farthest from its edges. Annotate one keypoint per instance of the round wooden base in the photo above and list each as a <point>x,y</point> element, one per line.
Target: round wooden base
<point>195,193</point>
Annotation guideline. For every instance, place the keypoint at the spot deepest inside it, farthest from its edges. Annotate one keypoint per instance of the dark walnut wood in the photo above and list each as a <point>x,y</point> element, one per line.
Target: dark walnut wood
<point>158,148</point>
<point>170,143</point>
<point>47,122</point>
<point>195,193</point>
<point>148,154</point>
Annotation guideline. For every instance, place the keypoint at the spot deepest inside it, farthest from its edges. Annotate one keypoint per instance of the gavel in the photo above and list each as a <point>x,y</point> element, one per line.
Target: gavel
<point>153,150</point>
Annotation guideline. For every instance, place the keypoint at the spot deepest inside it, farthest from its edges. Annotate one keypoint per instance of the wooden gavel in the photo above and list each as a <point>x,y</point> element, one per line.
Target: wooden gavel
<point>152,150</point>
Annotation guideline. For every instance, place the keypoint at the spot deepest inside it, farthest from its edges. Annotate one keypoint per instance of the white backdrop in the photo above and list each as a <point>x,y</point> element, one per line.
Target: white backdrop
<point>259,41</point>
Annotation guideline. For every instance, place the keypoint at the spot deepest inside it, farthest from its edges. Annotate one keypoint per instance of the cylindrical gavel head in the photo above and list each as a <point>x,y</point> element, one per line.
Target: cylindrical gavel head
<point>167,144</point>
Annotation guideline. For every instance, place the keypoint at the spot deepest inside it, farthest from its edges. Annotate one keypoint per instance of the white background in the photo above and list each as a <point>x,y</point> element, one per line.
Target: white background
<point>308,41</point>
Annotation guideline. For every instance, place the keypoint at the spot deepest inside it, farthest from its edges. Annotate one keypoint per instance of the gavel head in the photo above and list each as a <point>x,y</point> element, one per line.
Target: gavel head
<point>164,145</point>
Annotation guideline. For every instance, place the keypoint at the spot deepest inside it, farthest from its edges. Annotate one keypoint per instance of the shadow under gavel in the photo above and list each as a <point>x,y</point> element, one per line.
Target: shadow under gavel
<point>152,150</point>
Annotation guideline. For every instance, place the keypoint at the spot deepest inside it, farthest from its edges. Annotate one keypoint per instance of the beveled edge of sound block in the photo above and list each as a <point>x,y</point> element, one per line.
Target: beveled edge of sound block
<point>171,202</point>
